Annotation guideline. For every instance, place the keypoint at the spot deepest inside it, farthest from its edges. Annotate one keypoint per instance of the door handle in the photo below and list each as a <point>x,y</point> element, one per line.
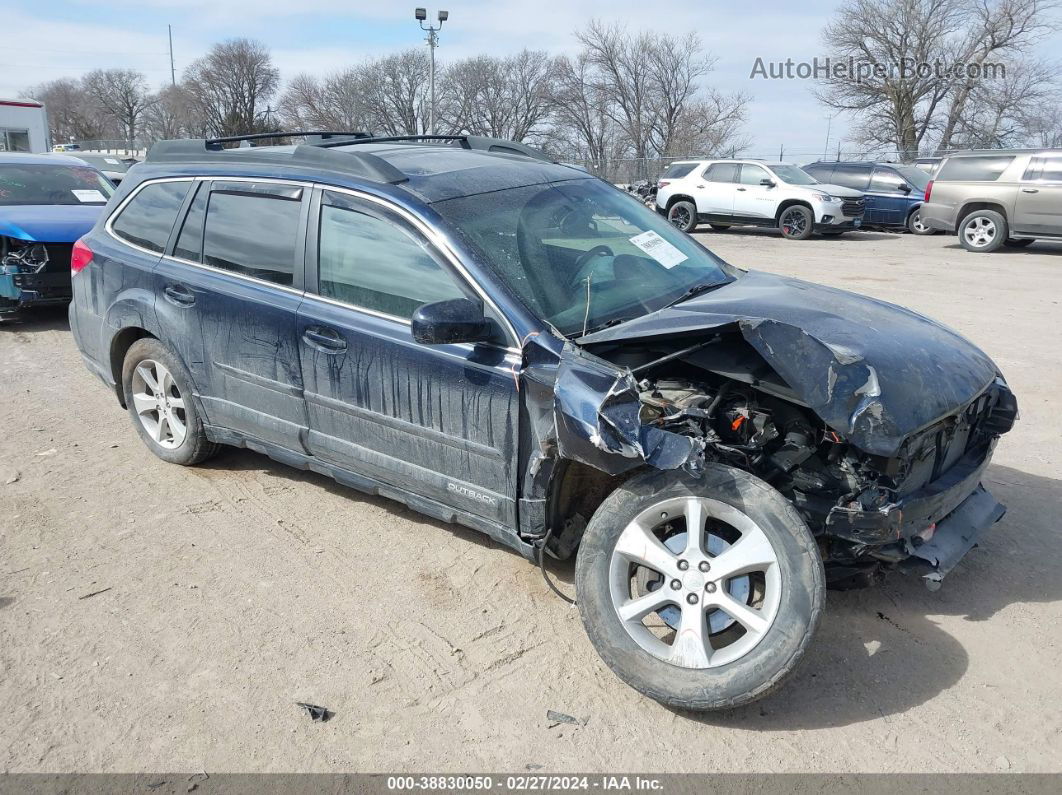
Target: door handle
<point>178,295</point>
<point>1030,190</point>
<point>700,186</point>
<point>324,339</point>
<point>742,189</point>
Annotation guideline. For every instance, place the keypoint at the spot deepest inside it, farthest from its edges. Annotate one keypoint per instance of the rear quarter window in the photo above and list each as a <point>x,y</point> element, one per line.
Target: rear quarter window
<point>678,170</point>
<point>148,218</point>
<point>974,169</point>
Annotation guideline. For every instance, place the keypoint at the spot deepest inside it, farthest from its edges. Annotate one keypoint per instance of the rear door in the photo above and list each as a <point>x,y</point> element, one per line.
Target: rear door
<point>1038,208</point>
<point>751,198</point>
<point>716,189</point>
<point>440,420</point>
<point>226,298</point>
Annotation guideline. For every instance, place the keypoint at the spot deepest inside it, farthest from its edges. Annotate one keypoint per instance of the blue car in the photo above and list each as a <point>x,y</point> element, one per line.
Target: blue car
<point>894,192</point>
<point>492,338</point>
<point>46,203</point>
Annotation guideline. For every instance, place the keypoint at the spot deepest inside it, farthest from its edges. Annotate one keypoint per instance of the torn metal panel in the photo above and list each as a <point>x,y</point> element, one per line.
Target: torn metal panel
<point>872,371</point>
<point>596,414</point>
<point>958,533</point>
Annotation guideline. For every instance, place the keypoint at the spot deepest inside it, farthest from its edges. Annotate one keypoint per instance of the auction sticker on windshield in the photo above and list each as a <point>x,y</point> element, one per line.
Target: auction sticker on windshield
<point>89,196</point>
<point>658,248</point>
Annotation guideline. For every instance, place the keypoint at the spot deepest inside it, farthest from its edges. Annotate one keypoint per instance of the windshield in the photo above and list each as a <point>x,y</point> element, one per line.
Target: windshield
<point>581,254</point>
<point>793,175</point>
<point>105,162</point>
<point>914,175</point>
<point>40,184</point>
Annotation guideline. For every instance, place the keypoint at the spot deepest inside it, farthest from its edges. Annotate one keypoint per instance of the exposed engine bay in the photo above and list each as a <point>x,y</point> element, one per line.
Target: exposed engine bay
<point>33,272</point>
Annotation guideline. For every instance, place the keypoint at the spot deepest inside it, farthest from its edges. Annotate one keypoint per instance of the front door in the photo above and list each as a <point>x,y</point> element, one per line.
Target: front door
<point>753,199</point>
<point>226,299</point>
<point>439,421</point>
<point>1038,208</point>
<point>887,198</point>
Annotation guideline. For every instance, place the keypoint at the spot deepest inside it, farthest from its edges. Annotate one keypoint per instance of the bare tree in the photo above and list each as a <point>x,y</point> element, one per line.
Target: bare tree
<point>71,115</point>
<point>174,114</point>
<point>921,61</point>
<point>499,97</point>
<point>123,95</point>
<point>332,103</point>
<point>394,92</point>
<point>232,84</point>
<point>584,124</point>
<point>1007,111</point>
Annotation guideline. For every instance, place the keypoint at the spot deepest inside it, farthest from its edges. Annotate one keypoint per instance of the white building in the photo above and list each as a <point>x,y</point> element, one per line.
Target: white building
<point>23,126</point>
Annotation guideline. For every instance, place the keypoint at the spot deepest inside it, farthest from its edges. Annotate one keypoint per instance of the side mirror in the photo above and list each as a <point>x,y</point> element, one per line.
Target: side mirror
<point>451,321</point>
<point>768,182</point>
<point>905,188</point>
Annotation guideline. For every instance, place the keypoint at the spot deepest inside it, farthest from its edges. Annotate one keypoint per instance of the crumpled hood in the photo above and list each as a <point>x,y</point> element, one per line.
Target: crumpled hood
<point>873,371</point>
<point>48,223</point>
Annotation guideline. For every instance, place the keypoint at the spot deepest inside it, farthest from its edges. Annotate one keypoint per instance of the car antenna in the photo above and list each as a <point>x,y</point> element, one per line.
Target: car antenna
<point>586,317</point>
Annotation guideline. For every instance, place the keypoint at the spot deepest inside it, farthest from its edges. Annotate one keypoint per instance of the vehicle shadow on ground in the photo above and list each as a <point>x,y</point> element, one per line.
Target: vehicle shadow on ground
<point>37,319</point>
<point>234,459</point>
<point>1039,247</point>
<point>890,653</point>
<point>706,235</point>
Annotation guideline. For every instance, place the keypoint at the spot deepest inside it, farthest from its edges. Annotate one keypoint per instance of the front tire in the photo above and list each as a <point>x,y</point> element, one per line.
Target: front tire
<point>158,394</point>
<point>703,621</point>
<point>796,222</point>
<point>983,231</point>
<point>683,215</point>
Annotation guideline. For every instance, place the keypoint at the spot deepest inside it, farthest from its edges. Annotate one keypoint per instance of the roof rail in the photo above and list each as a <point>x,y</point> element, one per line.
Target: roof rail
<point>477,142</point>
<point>318,134</point>
<point>200,150</point>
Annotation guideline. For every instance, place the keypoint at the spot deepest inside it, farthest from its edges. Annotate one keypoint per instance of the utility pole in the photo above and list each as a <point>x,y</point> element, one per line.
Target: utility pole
<point>421,15</point>
<point>173,70</point>
<point>826,149</point>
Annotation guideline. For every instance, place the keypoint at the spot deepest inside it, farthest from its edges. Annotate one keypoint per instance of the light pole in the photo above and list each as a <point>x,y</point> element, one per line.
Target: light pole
<point>433,42</point>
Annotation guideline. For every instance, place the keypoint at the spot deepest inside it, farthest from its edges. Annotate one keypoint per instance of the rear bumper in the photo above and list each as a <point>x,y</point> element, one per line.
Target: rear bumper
<point>938,217</point>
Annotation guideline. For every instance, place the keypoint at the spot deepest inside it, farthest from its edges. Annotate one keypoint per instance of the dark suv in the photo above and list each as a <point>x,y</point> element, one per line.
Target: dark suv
<point>894,192</point>
<point>495,339</point>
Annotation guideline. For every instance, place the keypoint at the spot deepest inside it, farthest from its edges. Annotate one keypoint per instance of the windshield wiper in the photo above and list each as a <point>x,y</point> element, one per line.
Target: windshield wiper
<point>602,326</point>
<point>696,289</point>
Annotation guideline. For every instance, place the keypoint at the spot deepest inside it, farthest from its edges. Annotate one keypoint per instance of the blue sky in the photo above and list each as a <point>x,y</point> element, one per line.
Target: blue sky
<point>70,37</point>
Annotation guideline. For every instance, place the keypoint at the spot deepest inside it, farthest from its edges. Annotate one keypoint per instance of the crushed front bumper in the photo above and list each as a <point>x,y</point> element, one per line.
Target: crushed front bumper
<point>915,513</point>
<point>956,535</point>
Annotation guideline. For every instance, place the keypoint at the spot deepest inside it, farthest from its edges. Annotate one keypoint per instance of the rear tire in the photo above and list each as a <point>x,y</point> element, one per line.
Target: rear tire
<point>159,396</point>
<point>983,231</point>
<point>915,225</point>
<point>683,215</point>
<point>748,649</point>
<point>796,222</point>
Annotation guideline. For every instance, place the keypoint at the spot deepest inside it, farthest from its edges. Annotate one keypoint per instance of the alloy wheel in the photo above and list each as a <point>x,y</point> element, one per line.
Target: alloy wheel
<point>680,217</point>
<point>979,231</point>
<point>695,582</point>
<point>159,404</point>
<point>916,223</point>
<point>794,222</point>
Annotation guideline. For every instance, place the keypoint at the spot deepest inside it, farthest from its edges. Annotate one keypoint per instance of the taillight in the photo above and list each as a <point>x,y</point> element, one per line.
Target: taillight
<point>80,256</point>
<point>929,189</point>
<point>663,183</point>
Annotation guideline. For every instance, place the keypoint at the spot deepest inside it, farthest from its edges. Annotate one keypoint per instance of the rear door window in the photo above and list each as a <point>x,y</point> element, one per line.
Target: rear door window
<point>854,177</point>
<point>1044,169</point>
<point>981,168</point>
<point>823,172</point>
<point>721,172</point>
<point>253,229</point>
<point>148,218</point>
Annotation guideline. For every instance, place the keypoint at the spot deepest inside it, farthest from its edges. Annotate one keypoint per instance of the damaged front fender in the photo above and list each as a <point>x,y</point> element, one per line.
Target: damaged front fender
<point>596,416</point>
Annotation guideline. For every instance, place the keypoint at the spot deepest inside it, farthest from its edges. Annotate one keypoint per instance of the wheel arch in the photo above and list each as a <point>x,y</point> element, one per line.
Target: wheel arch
<point>679,197</point>
<point>787,203</point>
<point>120,345</point>
<point>973,205</point>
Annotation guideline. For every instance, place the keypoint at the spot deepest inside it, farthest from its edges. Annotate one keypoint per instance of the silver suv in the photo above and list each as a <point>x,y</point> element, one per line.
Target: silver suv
<point>997,198</point>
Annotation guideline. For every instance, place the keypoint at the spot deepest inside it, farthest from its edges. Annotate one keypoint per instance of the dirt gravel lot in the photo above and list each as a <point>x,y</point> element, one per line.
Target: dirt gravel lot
<point>229,591</point>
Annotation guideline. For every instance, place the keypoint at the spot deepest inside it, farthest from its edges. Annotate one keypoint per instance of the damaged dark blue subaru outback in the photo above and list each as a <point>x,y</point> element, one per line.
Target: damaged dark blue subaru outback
<point>498,340</point>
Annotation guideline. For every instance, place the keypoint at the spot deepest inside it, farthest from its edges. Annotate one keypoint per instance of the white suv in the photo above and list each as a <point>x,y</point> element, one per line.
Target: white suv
<point>725,193</point>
